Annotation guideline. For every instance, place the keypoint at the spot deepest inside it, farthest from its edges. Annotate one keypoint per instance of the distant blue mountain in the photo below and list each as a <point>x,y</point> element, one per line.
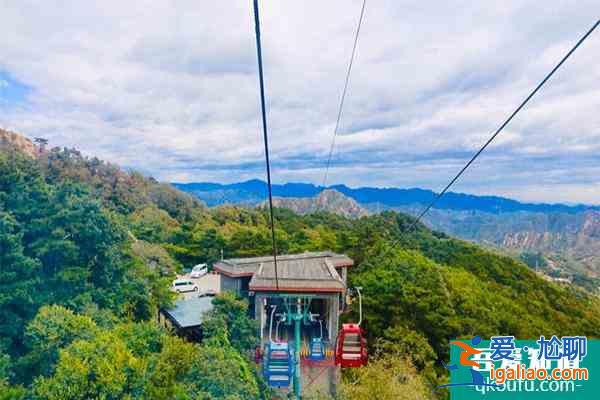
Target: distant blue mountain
<point>254,191</point>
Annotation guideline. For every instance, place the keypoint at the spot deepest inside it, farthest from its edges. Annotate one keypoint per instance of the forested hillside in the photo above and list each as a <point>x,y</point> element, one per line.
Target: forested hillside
<point>79,290</point>
<point>88,252</point>
<point>564,239</point>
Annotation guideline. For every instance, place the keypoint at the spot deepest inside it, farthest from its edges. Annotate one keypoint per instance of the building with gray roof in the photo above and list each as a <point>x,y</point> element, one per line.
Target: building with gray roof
<point>186,316</point>
<point>318,276</point>
<point>316,281</point>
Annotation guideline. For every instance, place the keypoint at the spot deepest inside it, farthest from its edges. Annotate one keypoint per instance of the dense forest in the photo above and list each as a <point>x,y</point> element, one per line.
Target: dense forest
<point>88,251</point>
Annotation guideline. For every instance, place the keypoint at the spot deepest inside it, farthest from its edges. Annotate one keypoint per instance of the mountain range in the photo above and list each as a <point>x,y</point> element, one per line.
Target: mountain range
<point>107,243</point>
<point>561,240</point>
<point>254,191</point>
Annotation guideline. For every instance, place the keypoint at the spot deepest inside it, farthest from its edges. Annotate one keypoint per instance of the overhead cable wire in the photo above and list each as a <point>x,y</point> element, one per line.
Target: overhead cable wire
<point>265,137</point>
<point>497,132</point>
<point>343,97</point>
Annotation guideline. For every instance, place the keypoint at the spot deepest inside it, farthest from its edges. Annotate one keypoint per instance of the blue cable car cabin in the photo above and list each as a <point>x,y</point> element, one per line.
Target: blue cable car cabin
<point>317,346</point>
<point>279,364</point>
<point>317,349</point>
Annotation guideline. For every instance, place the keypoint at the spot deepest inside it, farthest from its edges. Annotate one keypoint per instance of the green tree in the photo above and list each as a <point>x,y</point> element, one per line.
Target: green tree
<point>8,392</point>
<point>211,245</point>
<point>5,367</point>
<point>231,312</point>
<point>389,377</point>
<point>167,369</point>
<point>221,373</point>
<point>53,328</point>
<point>412,345</point>
<point>251,241</point>
<point>405,288</point>
<point>142,338</point>
<point>215,330</point>
<point>101,368</point>
<point>153,224</point>
<point>18,282</point>
<point>155,257</point>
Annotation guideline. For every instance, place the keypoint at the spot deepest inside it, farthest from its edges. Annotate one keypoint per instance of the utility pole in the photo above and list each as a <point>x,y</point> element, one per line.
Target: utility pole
<point>297,321</point>
<point>297,316</point>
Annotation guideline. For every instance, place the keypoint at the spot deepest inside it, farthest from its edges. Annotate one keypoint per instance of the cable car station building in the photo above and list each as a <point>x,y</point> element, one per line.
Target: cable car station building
<point>311,286</point>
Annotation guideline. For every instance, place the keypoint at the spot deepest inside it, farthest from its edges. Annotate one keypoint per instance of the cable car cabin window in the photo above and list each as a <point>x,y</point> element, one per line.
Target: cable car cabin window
<point>351,347</point>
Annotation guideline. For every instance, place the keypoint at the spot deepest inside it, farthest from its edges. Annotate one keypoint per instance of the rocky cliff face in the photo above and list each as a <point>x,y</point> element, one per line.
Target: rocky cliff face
<point>572,240</point>
<point>328,200</point>
<point>553,232</point>
<point>11,141</point>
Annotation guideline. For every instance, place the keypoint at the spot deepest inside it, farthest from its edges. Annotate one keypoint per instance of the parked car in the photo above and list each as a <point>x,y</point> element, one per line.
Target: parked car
<point>184,285</point>
<point>208,293</point>
<point>199,271</point>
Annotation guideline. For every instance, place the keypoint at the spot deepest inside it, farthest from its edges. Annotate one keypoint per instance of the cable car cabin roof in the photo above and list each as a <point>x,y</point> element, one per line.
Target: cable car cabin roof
<point>306,272</point>
<point>352,328</point>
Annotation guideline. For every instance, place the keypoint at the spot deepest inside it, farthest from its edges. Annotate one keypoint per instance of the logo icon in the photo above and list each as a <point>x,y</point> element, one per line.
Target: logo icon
<point>464,361</point>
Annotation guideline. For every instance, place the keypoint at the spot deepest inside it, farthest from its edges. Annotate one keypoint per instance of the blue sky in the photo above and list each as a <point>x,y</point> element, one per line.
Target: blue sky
<point>170,89</point>
<point>12,92</point>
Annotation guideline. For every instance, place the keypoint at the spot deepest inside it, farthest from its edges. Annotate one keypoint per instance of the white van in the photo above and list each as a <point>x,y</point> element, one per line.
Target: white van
<point>184,285</point>
<point>199,271</point>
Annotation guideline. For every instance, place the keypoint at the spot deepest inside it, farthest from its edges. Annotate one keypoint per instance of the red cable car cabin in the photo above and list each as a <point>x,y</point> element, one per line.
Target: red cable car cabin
<point>351,347</point>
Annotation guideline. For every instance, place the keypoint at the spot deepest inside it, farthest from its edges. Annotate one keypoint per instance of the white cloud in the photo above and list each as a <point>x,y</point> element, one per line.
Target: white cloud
<point>171,88</point>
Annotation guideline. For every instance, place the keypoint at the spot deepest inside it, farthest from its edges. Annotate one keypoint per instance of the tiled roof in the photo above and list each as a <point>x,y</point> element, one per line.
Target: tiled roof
<point>238,267</point>
<point>306,272</point>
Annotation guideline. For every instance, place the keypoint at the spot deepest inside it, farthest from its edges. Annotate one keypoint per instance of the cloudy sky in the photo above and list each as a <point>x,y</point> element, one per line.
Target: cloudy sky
<point>170,89</point>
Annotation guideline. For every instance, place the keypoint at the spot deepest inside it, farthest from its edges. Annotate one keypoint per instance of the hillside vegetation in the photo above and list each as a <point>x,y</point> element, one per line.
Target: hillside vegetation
<point>566,237</point>
<point>88,252</point>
